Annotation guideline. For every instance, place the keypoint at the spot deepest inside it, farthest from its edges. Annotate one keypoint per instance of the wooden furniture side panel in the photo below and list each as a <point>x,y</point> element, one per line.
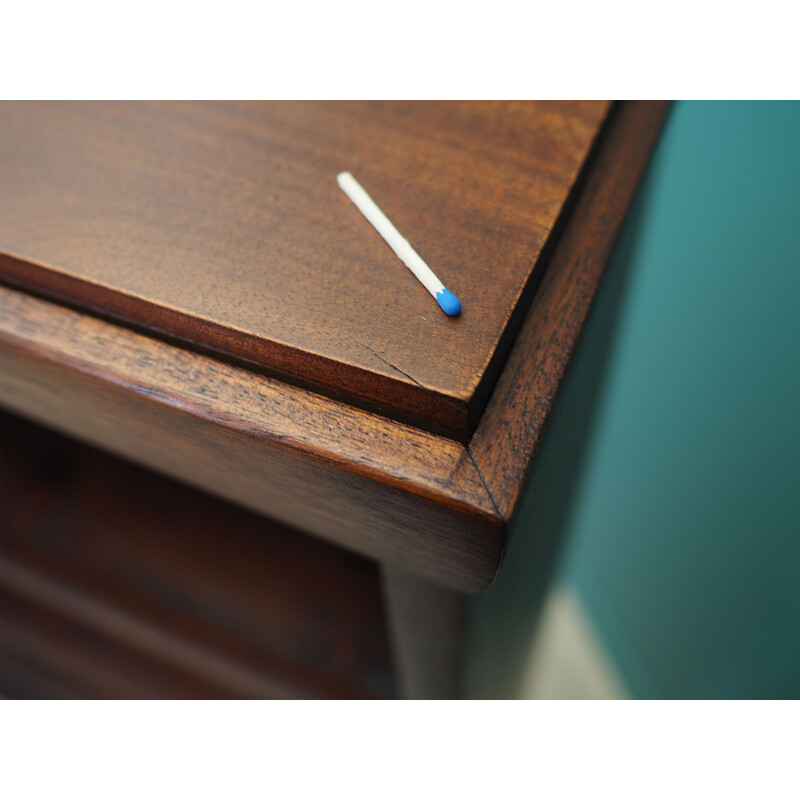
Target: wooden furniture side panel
<point>426,624</point>
<point>185,573</point>
<point>46,656</point>
<point>416,501</point>
<point>383,489</point>
<point>514,423</point>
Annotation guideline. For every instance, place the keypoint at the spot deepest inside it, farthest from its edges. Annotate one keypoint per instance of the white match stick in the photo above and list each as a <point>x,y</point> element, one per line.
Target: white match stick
<point>449,303</point>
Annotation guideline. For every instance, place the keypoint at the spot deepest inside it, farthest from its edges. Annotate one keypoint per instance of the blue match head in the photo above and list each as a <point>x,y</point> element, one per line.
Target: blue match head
<point>449,303</point>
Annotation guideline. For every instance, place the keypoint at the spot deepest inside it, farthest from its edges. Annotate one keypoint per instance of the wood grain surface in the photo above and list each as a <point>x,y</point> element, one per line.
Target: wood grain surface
<point>514,423</point>
<point>221,224</point>
<point>382,488</point>
<point>416,501</point>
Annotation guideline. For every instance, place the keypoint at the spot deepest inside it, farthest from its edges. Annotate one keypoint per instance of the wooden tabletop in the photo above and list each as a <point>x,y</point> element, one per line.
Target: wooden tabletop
<point>195,221</point>
<point>222,226</point>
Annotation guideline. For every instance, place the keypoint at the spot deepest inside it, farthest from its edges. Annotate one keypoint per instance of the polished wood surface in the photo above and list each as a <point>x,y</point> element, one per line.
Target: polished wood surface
<point>514,423</point>
<point>420,502</point>
<point>434,509</point>
<point>384,489</point>
<point>45,655</point>
<point>222,225</point>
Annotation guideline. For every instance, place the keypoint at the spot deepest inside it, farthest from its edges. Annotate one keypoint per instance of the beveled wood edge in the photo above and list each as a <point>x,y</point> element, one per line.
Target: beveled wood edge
<point>384,389</point>
<point>513,425</point>
<point>438,520</point>
<point>358,387</point>
<point>355,440</point>
<point>480,483</point>
<point>495,363</point>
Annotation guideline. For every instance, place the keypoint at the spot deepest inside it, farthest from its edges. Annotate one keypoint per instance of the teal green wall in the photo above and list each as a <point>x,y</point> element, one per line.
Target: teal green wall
<point>668,487</point>
<point>683,529</point>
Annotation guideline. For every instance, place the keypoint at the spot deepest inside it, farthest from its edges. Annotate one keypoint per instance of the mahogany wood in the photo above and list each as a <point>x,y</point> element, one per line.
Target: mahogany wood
<point>389,491</point>
<point>513,426</point>
<point>222,224</point>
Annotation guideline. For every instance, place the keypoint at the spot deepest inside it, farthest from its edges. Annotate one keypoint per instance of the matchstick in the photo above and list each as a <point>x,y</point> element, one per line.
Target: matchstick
<point>448,302</point>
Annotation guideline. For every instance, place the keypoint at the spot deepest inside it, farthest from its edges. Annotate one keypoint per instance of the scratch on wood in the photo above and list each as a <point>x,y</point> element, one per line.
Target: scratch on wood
<point>389,363</point>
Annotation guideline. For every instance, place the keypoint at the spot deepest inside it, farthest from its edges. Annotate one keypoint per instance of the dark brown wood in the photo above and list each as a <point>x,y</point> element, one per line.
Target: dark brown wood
<point>222,225</point>
<point>426,622</point>
<point>389,491</point>
<point>190,586</point>
<point>514,423</point>
<point>433,512</point>
<point>45,656</point>
<point>414,500</point>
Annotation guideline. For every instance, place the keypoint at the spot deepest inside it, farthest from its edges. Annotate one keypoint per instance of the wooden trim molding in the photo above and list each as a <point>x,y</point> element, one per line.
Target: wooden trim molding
<point>384,489</point>
<point>513,426</point>
<point>220,226</point>
<point>412,500</point>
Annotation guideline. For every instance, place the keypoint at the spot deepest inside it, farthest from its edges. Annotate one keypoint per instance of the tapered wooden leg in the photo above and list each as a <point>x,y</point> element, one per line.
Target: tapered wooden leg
<point>426,625</point>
